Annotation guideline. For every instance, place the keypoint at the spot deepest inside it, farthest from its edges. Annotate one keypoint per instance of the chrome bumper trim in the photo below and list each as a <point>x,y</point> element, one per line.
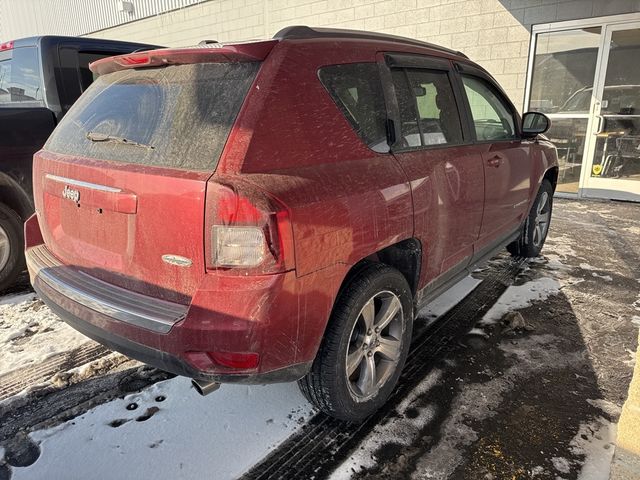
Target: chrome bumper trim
<point>115,302</point>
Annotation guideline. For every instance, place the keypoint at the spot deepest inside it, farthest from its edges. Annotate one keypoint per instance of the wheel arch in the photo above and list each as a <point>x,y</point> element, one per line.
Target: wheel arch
<point>405,256</point>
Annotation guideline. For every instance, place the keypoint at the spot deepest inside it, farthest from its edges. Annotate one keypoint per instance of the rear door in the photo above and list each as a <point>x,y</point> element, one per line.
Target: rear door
<point>445,173</point>
<point>120,185</point>
<point>506,158</point>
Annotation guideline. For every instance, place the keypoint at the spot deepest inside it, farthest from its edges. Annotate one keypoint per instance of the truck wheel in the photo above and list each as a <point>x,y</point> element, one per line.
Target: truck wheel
<point>365,345</point>
<point>536,226</point>
<point>11,246</point>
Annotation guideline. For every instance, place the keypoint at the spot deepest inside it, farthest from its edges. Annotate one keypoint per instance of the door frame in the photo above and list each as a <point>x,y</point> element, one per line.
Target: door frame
<point>594,186</point>
<point>606,22</point>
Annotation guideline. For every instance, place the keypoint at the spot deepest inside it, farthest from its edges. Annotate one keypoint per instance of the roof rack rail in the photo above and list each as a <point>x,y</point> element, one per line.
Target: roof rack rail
<point>302,31</point>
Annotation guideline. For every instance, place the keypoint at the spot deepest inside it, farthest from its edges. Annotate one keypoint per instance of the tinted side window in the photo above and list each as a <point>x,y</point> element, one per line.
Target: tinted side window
<point>357,90</point>
<point>492,118</point>
<point>20,80</point>
<point>428,110</point>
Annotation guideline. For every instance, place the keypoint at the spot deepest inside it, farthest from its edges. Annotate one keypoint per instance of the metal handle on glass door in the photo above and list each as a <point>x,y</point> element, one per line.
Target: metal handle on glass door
<point>599,125</point>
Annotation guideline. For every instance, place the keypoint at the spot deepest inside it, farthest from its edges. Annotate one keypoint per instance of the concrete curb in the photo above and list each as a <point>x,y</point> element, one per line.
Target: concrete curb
<point>626,461</point>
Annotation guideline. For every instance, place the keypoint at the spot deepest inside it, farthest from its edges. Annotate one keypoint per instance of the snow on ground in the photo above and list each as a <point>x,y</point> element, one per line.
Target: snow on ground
<point>517,297</point>
<point>187,436</point>
<point>596,441</point>
<point>401,430</point>
<point>31,333</point>
<point>561,244</point>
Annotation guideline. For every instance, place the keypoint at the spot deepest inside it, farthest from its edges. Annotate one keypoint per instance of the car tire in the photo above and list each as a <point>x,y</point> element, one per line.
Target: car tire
<point>11,246</point>
<point>365,345</point>
<point>536,227</point>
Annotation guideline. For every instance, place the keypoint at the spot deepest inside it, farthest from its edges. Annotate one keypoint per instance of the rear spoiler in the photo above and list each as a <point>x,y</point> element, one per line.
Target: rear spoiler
<point>206,53</point>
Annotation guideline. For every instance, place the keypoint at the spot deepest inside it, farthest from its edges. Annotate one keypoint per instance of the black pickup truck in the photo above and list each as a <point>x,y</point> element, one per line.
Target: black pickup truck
<point>40,78</point>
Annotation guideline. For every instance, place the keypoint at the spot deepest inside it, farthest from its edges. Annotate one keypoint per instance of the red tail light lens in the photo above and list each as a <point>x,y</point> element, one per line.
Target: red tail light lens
<point>6,46</point>
<point>247,230</point>
<point>235,359</point>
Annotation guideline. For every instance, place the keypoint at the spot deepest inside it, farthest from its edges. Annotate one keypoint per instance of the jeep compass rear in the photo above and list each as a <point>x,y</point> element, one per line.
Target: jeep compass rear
<point>278,210</point>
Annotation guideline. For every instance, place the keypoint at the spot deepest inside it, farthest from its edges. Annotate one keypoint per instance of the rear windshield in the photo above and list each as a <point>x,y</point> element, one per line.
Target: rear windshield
<point>20,80</point>
<point>176,116</point>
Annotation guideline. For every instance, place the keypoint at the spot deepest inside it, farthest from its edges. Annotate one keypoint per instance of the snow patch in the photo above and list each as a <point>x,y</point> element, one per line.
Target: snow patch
<point>400,430</point>
<point>561,464</point>
<point>595,441</point>
<point>517,297</point>
<point>31,333</point>
<point>561,245</point>
<point>586,266</point>
<point>18,298</point>
<point>607,278</point>
<point>188,436</point>
<point>606,406</point>
<point>478,331</point>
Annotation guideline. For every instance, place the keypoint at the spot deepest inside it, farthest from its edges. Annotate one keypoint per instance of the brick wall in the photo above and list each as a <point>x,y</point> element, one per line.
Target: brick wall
<point>495,33</point>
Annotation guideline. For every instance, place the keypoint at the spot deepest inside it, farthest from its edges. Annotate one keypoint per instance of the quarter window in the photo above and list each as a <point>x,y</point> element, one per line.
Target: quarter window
<point>357,90</point>
<point>492,118</point>
<point>428,110</point>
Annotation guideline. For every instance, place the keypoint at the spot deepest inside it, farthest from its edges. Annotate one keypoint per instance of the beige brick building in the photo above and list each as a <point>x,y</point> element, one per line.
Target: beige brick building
<point>576,60</point>
<point>495,33</point>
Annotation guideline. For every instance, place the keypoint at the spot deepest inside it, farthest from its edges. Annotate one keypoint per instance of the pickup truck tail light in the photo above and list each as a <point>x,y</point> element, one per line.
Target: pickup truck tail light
<point>6,46</point>
<point>247,230</point>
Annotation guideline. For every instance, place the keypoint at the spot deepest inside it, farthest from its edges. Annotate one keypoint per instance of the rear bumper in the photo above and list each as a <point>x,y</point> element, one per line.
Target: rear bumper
<point>133,308</point>
<point>167,335</point>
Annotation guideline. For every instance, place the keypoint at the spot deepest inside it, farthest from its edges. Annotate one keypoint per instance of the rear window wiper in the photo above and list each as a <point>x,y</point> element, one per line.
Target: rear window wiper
<point>103,137</point>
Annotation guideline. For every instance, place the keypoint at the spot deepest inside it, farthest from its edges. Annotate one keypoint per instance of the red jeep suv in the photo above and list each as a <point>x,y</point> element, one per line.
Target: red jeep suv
<point>279,210</point>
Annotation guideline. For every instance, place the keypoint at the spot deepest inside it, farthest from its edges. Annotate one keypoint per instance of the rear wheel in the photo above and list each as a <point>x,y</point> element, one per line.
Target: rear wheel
<point>11,246</point>
<point>365,346</point>
<point>536,226</point>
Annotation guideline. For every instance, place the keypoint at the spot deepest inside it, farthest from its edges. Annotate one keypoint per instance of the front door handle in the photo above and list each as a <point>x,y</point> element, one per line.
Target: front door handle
<point>494,161</point>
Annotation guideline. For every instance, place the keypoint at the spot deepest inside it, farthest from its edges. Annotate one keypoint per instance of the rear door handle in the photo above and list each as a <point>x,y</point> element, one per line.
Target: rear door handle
<point>494,161</point>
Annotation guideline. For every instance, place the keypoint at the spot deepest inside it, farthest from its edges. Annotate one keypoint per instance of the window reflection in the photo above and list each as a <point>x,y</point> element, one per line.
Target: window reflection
<point>563,70</point>
<point>569,135</point>
<point>618,145</point>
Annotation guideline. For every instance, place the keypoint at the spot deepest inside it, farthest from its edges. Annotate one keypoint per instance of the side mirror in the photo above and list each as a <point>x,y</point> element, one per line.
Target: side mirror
<point>534,123</point>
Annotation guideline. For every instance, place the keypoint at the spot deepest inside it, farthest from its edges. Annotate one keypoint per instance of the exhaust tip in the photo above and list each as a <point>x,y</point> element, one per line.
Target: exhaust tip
<point>205,388</point>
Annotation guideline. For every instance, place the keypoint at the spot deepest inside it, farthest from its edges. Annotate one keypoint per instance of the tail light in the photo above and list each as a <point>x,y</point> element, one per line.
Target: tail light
<point>247,230</point>
<point>6,46</point>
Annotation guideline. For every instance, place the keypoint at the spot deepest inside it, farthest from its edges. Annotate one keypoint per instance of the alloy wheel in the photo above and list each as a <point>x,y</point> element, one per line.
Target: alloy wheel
<point>541,221</point>
<point>5,248</point>
<point>375,345</point>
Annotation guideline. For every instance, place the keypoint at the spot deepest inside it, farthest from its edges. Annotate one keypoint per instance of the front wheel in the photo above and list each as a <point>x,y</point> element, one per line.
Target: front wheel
<point>365,345</point>
<point>536,226</point>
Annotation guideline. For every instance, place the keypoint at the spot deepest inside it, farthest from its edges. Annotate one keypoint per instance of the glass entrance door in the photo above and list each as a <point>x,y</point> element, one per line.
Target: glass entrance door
<point>585,75</point>
<point>614,144</point>
<point>564,69</point>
